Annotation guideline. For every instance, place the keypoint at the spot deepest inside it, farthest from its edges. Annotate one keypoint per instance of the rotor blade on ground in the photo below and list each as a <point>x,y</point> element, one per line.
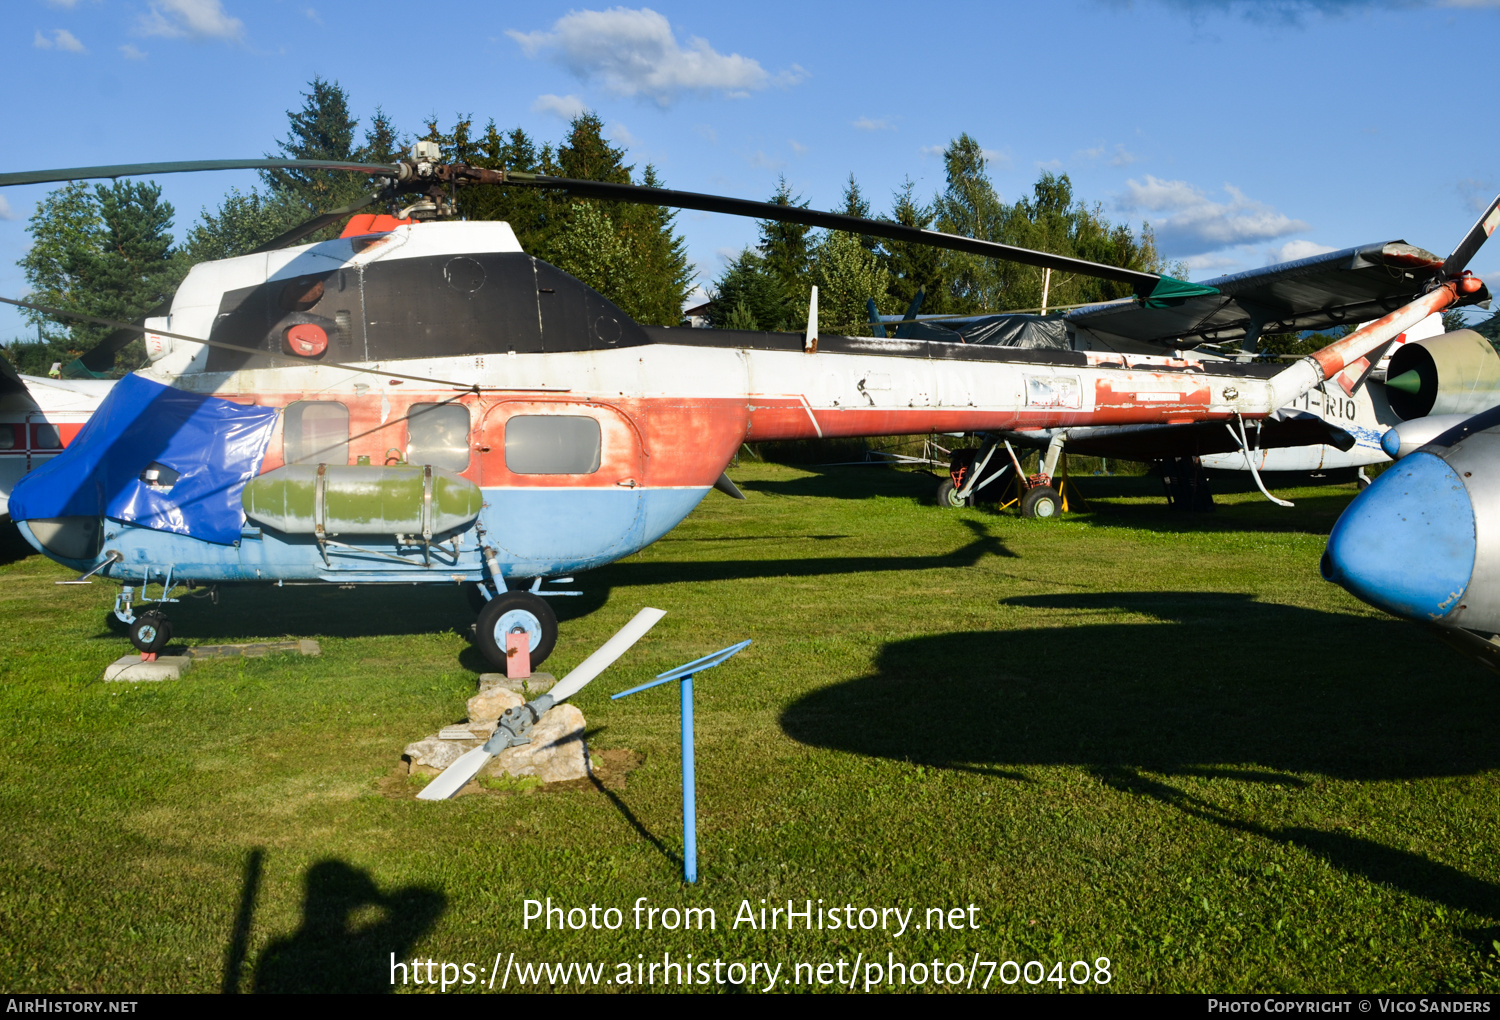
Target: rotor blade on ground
<point>607,653</point>
<point>1478,234</point>
<point>1142,282</point>
<point>85,173</point>
<point>457,775</point>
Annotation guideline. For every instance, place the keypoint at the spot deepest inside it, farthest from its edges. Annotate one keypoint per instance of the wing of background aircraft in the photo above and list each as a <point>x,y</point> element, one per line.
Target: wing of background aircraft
<point>1338,287</point>
<point>1350,286</point>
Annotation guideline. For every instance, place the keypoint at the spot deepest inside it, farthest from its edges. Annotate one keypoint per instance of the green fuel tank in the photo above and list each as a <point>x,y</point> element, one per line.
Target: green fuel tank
<point>333,499</point>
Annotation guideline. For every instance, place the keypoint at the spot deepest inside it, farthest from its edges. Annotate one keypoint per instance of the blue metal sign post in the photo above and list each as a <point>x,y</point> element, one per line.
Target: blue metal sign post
<point>684,674</point>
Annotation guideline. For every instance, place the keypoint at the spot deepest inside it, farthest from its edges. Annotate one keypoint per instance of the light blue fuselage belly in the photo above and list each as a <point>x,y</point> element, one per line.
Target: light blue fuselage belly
<point>535,532</point>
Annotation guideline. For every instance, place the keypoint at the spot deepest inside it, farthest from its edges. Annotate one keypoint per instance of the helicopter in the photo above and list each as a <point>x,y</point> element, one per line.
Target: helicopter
<point>420,401</point>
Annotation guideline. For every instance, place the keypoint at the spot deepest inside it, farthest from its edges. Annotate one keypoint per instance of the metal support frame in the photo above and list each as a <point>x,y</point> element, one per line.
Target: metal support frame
<point>684,674</point>
<point>1054,450</point>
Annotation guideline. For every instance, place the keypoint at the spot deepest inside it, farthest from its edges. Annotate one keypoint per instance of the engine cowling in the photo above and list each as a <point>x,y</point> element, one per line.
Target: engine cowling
<point>1453,373</point>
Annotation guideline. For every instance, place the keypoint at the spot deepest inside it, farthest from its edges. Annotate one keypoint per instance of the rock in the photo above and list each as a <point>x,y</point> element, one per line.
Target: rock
<point>490,704</point>
<point>556,753</point>
<point>435,753</point>
<point>131,668</point>
<point>530,687</point>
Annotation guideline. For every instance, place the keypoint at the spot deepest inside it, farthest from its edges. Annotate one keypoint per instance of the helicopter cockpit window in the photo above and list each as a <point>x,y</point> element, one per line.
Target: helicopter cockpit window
<point>316,432</point>
<point>8,437</point>
<point>552,444</point>
<point>438,434</point>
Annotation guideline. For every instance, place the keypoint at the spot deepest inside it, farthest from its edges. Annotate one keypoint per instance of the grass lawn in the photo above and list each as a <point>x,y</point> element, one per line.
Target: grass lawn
<point>1154,737</point>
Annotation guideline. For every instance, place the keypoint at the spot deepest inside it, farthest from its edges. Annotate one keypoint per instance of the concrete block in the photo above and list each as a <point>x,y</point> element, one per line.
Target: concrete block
<point>255,649</point>
<point>130,668</point>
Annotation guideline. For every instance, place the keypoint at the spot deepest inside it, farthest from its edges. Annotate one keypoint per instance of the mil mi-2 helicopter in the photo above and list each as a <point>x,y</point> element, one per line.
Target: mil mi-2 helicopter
<point>423,402</point>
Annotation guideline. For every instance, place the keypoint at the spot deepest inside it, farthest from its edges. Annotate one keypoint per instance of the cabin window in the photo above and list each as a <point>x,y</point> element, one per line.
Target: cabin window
<point>316,432</point>
<point>438,434</point>
<point>45,437</point>
<point>552,444</point>
<point>8,437</point>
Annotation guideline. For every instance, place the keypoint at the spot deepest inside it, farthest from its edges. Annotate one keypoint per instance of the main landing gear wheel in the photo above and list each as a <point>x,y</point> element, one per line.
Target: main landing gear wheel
<point>1042,501</point>
<point>150,632</point>
<point>947,495</point>
<point>509,610</point>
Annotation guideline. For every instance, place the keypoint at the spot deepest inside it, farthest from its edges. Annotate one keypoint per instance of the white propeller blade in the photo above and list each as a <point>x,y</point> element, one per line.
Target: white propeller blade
<point>457,775</point>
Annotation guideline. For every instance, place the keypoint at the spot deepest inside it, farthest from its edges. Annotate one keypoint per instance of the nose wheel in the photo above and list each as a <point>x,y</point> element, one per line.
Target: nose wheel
<point>511,610</point>
<point>151,631</point>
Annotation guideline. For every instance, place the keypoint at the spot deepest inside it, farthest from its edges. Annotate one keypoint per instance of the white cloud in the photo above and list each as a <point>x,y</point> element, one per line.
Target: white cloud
<point>1205,263</point>
<point>1477,193</point>
<point>1117,156</point>
<point>133,52</point>
<point>6,213</point>
<point>727,255</point>
<point>636,53</point>
<point>707,133</point>
<point>797,146</point>
<point>758,158</point>
<point>1188,222</point>
<point>867,124</point>
<point>933,150</point>
<point>999,158</point>
<point>620,133</point>
<point>61,39</point>
<point>1293,250</point>
<point>313,15</point>
<point>567,107</point>
<point>190,19</point>
<point>66,5</point>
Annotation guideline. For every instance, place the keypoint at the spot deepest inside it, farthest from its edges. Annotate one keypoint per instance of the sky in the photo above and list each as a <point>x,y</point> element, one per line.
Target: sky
<point>1245,133</point>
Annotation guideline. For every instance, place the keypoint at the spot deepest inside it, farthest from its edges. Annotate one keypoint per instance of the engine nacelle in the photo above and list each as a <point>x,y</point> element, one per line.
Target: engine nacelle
<point>1454,373</point>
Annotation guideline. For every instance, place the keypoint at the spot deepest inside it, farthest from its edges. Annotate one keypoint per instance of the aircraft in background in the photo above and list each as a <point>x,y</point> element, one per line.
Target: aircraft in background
<point>38,419</point>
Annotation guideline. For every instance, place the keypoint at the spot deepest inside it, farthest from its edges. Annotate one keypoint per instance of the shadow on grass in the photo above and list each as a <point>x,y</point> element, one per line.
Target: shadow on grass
<point>12,546</point>
<point>1216,684</point>
<point>1380,864</point>
<point>857,482</point>
<point>349,933</point>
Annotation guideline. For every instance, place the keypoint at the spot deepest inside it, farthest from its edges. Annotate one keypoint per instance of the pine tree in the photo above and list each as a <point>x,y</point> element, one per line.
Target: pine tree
<point>105,251</point>
<point>969,207</point>
<point>786,249</point>
<point>911,266</point>
<point>322,129</point>
<point>748,296</point>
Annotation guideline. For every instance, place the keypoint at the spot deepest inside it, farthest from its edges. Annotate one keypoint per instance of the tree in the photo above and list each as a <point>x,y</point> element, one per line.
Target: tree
<point>322,129</point>
<point>100,250</point>
<point>911,266</point>
<point>848,275</point>
<point>787,254</point>
<point>971,207</point>
<point>748,296</point>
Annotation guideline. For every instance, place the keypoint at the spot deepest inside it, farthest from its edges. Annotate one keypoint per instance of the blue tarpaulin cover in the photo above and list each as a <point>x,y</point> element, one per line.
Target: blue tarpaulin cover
<point>214,445</point>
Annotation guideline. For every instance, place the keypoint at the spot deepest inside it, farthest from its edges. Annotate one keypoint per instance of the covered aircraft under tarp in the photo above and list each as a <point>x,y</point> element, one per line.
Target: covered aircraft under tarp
<point>209,447</point>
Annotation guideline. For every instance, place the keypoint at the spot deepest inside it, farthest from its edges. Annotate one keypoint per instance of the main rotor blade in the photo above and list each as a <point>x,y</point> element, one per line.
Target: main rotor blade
<point>1478,234</point>
<point>85,173</point>
<point>101,357</point>
<point>1140,281</point>
<point>317,223</point>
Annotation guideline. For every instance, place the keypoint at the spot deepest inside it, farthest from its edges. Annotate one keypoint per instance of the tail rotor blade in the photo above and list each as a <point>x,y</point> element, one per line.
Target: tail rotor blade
<point>1478,234</point>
